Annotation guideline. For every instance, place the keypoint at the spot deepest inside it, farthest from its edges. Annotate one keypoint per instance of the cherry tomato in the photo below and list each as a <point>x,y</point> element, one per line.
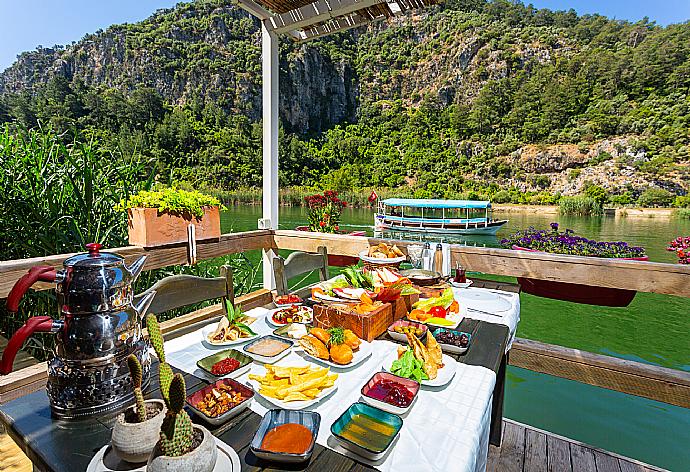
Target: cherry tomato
<point>438,311</point>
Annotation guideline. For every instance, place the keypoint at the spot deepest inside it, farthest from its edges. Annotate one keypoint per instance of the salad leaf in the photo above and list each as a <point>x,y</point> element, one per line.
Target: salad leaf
<point>234,313</point>
<point>410,367</point>
<point>445,300</point>
<point>245,329</point>
<point>357,278</point>
<point>407,289</point>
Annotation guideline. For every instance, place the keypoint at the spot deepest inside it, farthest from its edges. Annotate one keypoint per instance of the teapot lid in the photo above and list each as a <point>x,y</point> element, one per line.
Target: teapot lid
<point>94,258</point>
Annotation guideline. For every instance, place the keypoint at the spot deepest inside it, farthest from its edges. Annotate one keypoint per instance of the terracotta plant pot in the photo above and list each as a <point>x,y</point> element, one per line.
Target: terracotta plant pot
<point>133,442</point>
<point>147,227</point>
<point>578,293</point>
<point>201,459</point>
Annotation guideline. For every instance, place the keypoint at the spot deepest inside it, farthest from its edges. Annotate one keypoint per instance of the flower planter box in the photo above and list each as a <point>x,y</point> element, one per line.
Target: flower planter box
<point>338,260</point>
<point>147,227</point>
<point>578,293</point>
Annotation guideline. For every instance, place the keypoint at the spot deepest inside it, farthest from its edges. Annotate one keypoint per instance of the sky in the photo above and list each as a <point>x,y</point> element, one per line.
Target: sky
<point>25,24</point>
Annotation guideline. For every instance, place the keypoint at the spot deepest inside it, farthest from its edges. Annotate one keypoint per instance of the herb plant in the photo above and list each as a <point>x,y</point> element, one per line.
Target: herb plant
<point>171,200</point>
<point>566,242</point>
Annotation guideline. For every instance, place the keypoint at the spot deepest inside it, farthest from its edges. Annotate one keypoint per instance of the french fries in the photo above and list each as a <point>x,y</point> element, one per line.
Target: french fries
<point>294,383</point>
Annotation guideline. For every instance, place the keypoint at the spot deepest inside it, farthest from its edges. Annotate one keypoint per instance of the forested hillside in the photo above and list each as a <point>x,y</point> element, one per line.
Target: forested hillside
<point>471,98</point>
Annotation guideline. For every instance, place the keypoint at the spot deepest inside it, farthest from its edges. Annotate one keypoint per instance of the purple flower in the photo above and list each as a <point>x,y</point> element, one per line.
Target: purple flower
<point>554,226</point>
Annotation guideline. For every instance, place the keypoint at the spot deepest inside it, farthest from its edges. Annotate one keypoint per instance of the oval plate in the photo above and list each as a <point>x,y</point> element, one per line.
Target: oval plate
<point>206,330</point>
<point>445,375</point>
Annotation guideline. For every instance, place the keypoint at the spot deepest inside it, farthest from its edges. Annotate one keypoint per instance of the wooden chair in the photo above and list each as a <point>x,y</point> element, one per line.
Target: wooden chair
<point>299,263</point>
<point>177,291</point>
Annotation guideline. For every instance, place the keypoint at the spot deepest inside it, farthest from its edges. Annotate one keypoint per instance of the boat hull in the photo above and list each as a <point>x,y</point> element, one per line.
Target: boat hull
<point>492,227</point>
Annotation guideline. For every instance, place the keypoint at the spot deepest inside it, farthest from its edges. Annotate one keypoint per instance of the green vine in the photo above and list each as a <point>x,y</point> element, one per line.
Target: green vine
<point>171,200</point>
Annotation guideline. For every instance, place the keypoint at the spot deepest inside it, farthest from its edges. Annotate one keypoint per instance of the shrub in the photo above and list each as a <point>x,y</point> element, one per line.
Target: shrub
<point>655,197</point>
<point>597,193</point>
<point>682,201</point>
<point>625,198</point>
<point>502,196</point>
<point>683,213</point>
<point>579,205</point>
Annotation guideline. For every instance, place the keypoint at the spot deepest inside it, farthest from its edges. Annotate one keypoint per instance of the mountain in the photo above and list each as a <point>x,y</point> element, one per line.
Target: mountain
<point>466,98</point>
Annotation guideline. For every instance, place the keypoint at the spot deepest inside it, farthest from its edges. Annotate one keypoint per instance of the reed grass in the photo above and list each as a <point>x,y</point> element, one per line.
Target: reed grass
<point>683,213</point>
<point>579,206</point>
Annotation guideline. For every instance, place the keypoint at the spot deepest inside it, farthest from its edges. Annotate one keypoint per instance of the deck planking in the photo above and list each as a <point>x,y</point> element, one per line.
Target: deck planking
<point>528,449</point>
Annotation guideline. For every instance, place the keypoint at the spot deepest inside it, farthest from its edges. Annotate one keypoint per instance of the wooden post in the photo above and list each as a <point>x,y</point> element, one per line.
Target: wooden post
<point>270,71</point>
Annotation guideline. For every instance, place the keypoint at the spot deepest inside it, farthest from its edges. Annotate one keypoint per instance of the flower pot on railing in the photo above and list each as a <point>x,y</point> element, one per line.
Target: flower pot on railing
<point>578,293</point>
<point>148,227</point>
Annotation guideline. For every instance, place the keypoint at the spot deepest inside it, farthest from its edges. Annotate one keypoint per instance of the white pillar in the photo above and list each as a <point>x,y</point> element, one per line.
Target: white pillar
<point>269,69</point>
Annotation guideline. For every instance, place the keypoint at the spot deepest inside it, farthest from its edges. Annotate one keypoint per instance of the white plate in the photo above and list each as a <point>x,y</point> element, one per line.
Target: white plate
<point>269,316</point>
<point>296,405</point>
<point>459,285</point>
<point>445,375</point>
<point>456,318</point>
<point>482,300</point>
<point>105,460</point>
<point>206,330</point>
<point>273,359</point>
<point>318,297</point>
<point>374,260</point>
<point>358,356</point>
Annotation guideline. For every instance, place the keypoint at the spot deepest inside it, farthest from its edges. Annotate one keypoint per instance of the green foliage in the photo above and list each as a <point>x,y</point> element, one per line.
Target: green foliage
<point>655,197</point>
<point>579,205</point>
<point>177,429</point>
<point>136,374</point>
<point>682,201</point>
<point>597,193</point>
<point>155,336</point>
<point>683,213</point>
<point>171,200</point>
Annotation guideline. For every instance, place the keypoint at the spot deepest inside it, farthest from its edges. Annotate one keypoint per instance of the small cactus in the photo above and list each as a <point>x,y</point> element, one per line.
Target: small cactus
<point>155,336</point>
<point>165,375</point>
<point>136,374</point>
<point>177,429</point>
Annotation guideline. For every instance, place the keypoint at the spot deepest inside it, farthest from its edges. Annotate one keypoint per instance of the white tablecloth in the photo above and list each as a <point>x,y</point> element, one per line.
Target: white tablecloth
<point>447,428</point>
<point>509,317</point>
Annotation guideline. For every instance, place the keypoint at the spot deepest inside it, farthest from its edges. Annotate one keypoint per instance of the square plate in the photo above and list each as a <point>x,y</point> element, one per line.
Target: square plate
<point>268,359</point>
<point>273,418</point>
<point>452,347</point>
<point>370,442</point>
<point>408,384</point>
<point>246,392</point>
<point>206,363</point>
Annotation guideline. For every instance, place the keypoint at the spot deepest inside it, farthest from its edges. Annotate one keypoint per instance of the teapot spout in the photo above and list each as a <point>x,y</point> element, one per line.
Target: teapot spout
<point>144,303</point>
<point>136,267</point>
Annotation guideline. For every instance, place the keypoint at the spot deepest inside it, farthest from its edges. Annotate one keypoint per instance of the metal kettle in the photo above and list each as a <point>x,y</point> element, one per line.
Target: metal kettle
<point>97,330</point>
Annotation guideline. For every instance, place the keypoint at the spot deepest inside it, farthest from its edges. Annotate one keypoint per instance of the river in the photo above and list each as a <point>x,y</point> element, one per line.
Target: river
<point>654,329</point>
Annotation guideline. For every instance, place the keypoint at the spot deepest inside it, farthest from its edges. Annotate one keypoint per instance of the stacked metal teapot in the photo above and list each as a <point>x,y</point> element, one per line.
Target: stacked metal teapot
<point>97,330</point>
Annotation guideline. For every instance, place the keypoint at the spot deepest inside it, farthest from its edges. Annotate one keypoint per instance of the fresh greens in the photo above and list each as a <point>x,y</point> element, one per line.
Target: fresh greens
<point>407,289</point>
<point>234,316</point>
<point>445,300</point>
<point>337,336</point>
<point>410,367</point>
<point>171,200</point>
<point>357,278</point>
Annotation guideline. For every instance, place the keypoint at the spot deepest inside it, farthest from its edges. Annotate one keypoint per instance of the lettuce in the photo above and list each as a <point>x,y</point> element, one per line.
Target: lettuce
<point>409,366</point>
<point>444,300</point>
<point>407,289</point>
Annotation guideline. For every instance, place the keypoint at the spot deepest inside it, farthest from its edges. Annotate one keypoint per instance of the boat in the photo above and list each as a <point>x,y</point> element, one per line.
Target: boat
<point>339,260</point>
<point>436,216</point>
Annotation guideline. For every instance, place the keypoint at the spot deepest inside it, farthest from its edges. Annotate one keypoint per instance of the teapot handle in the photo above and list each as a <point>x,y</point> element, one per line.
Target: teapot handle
<point>32,325</point>
<point>43,273</point>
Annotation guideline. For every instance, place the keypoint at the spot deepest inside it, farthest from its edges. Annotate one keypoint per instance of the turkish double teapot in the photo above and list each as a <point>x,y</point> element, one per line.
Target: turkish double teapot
<point>97,330</point>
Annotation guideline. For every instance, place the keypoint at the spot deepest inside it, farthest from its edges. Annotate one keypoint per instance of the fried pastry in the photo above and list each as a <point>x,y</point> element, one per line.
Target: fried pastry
<point>321,334</point>
<point>341,354</point>
<point>314,347</point>
<point>352,340</point>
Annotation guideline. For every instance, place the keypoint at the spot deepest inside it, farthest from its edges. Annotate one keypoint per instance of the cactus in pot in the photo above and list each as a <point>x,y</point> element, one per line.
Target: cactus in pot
<point>175,450</point>
<point>165,372</point>
<point>135,432</point>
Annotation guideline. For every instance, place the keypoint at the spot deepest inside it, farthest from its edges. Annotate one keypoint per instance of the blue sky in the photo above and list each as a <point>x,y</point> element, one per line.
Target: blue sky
<point>24,24</point>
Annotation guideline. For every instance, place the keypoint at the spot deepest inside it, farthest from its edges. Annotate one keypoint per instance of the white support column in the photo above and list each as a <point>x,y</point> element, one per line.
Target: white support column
<point>269,68</point>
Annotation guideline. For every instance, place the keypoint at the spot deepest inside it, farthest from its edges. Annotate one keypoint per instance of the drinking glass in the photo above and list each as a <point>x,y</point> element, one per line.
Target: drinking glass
<point>415,252</point>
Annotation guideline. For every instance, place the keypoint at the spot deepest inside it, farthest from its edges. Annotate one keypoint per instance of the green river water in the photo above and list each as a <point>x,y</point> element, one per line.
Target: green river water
<point>654,329</point>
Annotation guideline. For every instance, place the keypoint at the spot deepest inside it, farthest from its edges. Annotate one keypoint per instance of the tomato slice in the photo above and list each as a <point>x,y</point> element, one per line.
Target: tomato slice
<point>437,311</point>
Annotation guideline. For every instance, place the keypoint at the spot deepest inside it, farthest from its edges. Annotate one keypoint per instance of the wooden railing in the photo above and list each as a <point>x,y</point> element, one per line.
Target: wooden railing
<point>665,385</point>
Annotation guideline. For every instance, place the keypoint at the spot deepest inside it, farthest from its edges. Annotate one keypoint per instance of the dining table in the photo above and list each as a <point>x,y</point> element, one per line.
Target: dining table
<point>432,434</point>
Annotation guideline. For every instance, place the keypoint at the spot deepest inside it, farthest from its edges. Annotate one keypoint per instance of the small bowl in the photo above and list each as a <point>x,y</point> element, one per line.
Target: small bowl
<point>422,277</point>
<point>372,446</point>
<point>409,384</point>
<point>452,347</point>
<point>268,359</point>
<point>277,417</point>
<point>206,363</point>
<point>400,336</point>
<point>246,392</point>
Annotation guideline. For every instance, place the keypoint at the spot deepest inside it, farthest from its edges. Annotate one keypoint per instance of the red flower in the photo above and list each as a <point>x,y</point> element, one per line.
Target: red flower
<point>336,227</point>
<point>344,204</point>
<point>322,223</point>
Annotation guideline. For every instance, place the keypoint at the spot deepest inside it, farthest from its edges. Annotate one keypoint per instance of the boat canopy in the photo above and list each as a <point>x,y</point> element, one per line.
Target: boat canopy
<point>431,203</point>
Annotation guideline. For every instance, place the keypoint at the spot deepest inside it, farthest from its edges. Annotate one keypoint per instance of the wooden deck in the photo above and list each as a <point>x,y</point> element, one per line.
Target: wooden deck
<point>524,449</point>
<point>527,449</point>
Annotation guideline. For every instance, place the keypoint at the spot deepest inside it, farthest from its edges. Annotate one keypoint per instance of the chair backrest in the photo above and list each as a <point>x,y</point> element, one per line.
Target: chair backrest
<point>177,291</point>
<point>299,263</point>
